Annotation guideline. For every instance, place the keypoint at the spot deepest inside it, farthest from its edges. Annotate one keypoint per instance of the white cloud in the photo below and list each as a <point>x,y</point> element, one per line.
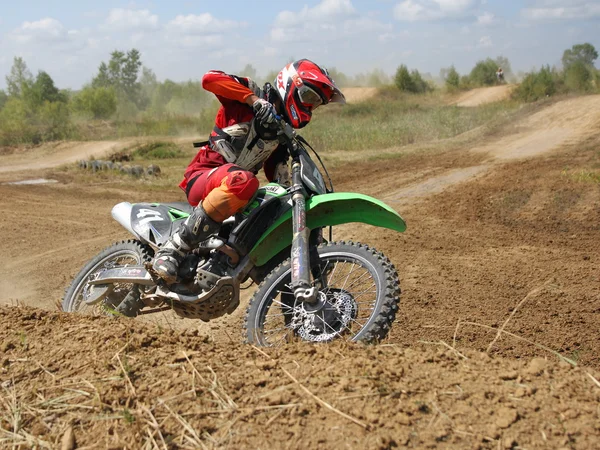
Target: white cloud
<point>485,42</point>
<point>203,30</point>
<point>329,20</point>
<point>427,10</point>
<point>563,10</point>
<point>47,29</point>
<point>323,12</point>
<point>202,24</point>
<point>130,19</point>
<point>485,19</point>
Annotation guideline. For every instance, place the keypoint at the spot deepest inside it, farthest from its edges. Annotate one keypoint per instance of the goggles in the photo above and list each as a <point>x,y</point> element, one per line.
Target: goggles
<point>309,97</point>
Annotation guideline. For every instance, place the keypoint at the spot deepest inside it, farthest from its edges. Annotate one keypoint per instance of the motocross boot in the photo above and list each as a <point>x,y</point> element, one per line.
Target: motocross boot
<point>196,228</point>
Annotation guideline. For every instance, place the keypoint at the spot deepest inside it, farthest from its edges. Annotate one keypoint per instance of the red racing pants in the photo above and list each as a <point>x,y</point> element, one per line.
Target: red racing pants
<point>222,190</point>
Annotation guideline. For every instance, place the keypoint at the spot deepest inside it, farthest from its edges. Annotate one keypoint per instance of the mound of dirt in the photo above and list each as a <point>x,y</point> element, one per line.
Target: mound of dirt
<point>481,96</point>
<point>114,383</point>
<point>359,94</point>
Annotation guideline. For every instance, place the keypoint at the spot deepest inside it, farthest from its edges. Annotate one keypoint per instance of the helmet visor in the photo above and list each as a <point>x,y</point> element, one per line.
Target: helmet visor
<point>309,97</point>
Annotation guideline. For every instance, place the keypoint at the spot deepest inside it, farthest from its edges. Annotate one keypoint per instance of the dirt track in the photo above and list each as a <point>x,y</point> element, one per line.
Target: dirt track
<point>504,235</point>
<point>481,96</point>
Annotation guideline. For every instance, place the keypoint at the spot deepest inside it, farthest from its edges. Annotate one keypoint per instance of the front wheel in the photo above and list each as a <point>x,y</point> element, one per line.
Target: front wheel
<point>78,294</point>
<point>357,300</point>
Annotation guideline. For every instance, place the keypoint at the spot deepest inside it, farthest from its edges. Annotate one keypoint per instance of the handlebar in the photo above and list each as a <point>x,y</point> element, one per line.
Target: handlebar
<point>287,135</point>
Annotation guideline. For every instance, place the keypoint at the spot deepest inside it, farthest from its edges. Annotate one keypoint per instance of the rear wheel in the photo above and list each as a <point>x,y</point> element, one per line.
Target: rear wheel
<point>80,292</point>
<point>357,300</point>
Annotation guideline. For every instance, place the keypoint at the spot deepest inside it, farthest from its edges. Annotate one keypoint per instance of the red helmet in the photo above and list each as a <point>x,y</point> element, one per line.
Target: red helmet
<point>302,87</point>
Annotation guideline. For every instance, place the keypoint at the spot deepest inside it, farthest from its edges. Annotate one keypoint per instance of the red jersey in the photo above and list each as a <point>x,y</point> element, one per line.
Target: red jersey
<point>232,92</point>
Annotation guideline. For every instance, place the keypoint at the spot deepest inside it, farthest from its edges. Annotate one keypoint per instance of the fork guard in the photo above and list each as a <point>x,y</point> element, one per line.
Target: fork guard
<point>322,211</point>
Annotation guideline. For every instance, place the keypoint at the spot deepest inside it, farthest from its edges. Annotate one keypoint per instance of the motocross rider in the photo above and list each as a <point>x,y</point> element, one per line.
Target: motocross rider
<point>500,74</point>
<point>220,180</point>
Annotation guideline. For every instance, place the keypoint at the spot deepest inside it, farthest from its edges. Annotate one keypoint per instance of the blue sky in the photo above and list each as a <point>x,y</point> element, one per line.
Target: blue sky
<point>182,39</point>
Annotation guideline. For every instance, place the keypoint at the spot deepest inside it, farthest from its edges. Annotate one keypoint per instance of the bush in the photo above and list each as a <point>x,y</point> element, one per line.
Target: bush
<point>53,121</point>
<point>158,150</point>
<point>14,125</point>
<point>537,85</point>
<point>452,79</point>
<point>411,81</point>
<point>3,98</point>
<point>484,73</point>
<point>96,103</point>
<point>578,77</point>
<point>403,80</point>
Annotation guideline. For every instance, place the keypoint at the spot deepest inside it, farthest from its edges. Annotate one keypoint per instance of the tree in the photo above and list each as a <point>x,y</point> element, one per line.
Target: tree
<point>96,102</point>
<point>248,71</point>
<point>129,75</point>
<point>584,53</point>
<point>484,73</point>
<point>537,85</point>
<point>420,86</point>
<point>578,76</point>
<point>452,79</point>
<point>121,74</point>
<point>43,90</point>
<point>102,79</point>
<point>18,78</point>
<point>403,79</point>
<point>3,98</point>
<point>339,78</point>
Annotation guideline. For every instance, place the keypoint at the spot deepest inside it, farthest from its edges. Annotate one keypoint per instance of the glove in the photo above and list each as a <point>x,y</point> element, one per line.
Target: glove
<point>263,111</point>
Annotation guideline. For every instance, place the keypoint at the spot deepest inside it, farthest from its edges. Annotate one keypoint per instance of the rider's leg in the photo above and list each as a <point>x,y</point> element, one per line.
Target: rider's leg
<point>222,192</point>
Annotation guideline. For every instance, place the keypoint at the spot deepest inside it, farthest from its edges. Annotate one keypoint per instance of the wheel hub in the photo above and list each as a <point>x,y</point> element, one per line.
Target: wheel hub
<point>325,320</point>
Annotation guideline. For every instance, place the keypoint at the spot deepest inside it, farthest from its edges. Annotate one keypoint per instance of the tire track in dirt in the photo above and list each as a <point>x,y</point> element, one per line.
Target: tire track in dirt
<point>566,122</point>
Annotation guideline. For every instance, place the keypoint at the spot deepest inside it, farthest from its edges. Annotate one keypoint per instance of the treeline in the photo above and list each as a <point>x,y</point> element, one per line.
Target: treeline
<point>123,98</point>
<point>577,75</point>
<point>483,74</point>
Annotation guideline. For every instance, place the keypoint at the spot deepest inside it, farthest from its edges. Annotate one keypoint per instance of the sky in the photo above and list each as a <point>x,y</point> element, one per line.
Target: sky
<point>182,39</point>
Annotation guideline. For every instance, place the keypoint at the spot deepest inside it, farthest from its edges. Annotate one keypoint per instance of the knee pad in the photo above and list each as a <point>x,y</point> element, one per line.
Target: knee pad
<point>234,192</point>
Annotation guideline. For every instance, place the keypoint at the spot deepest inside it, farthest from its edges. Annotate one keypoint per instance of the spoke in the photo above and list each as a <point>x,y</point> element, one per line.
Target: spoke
<point>360,324</point>
<point>332,274</point>
<point>356,280</point>
<point>323,270</point>
<point>355,295</point>
<point>349,273</point>
<point>275,330</point>
<point>365,272</point>
<point>332,329</point>
<point>282,338</point>
<point>359,278</point>
<point>283,305</point>
<point>276,315</point>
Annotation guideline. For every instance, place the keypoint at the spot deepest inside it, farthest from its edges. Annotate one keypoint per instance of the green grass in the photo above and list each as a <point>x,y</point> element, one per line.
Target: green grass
<point>583,176</point>
<point>158,150</point>
<point>391,120</point>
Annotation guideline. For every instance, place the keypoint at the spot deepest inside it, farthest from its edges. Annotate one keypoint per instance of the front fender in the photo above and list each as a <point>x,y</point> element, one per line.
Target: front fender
<point>325,210</point>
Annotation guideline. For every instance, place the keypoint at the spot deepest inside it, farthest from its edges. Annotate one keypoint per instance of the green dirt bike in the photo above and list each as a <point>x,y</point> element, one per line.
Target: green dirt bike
<point>310,289</point>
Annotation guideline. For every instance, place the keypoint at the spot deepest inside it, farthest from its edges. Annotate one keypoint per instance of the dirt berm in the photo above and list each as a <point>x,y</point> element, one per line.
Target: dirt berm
<point>122,384</point>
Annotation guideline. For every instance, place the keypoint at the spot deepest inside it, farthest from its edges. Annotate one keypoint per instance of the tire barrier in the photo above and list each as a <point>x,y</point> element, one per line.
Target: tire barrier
<point>137,171</point>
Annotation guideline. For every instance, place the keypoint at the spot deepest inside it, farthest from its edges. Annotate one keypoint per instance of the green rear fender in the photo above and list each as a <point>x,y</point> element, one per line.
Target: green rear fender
<point>325,210</point>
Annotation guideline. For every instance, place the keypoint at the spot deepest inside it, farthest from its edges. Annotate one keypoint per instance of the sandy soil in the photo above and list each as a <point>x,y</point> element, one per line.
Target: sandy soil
<point>480,96</point>
<point>503,235</point>
<point>56,154</point>
<point>358,94</point>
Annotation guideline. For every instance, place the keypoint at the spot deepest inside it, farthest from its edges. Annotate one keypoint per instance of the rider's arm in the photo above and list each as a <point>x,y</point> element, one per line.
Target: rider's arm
<point>228,86</point>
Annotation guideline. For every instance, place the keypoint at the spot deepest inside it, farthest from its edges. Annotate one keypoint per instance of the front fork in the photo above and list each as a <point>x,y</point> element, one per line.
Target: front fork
<point>303,289</point>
